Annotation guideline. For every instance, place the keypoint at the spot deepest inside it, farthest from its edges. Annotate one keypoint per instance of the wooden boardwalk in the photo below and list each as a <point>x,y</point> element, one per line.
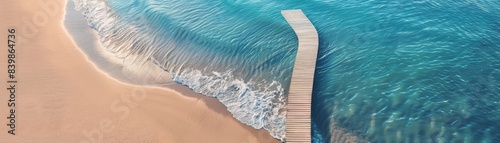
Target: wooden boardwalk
<point>298,120</point>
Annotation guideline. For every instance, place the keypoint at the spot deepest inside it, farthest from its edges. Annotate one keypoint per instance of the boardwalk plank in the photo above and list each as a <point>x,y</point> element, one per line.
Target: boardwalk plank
<point>298,126</point>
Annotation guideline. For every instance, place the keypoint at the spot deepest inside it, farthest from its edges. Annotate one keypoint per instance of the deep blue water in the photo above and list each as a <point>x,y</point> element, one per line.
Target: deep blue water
<point>387,71</point>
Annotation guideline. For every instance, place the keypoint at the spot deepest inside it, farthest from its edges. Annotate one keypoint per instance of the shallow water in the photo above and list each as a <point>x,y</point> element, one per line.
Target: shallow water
<point>387,71</point>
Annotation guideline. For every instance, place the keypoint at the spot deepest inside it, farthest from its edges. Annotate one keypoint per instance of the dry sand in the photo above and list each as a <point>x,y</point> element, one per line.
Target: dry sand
<point>62,97</point>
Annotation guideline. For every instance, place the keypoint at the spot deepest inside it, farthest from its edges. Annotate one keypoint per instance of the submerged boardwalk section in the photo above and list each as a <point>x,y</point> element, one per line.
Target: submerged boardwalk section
<point>298,120</point>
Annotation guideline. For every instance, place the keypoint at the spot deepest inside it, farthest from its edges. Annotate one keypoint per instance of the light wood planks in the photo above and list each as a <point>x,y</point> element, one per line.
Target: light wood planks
<point>298,120</point>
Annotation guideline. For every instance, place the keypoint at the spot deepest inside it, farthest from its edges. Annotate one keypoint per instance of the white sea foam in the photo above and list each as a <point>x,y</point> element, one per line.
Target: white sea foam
<point>250,102</point>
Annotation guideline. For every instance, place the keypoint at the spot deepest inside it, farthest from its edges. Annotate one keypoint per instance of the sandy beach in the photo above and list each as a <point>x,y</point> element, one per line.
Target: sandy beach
<point>62,97</point>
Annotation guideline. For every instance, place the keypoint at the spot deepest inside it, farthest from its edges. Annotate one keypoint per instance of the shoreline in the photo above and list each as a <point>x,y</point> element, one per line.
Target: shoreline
<point>87,41</point>
<point>63,96</point>
<point>146,51</point>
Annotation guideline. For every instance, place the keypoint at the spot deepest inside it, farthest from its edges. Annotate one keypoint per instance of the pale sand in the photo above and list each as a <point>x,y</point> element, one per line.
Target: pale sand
<point>61,95</point>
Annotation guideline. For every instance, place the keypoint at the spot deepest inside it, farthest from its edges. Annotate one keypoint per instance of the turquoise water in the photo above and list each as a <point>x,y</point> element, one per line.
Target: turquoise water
<point>387,71</point>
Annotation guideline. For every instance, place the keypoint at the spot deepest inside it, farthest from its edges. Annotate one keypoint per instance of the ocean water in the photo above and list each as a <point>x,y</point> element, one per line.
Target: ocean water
<point>387,71</point>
